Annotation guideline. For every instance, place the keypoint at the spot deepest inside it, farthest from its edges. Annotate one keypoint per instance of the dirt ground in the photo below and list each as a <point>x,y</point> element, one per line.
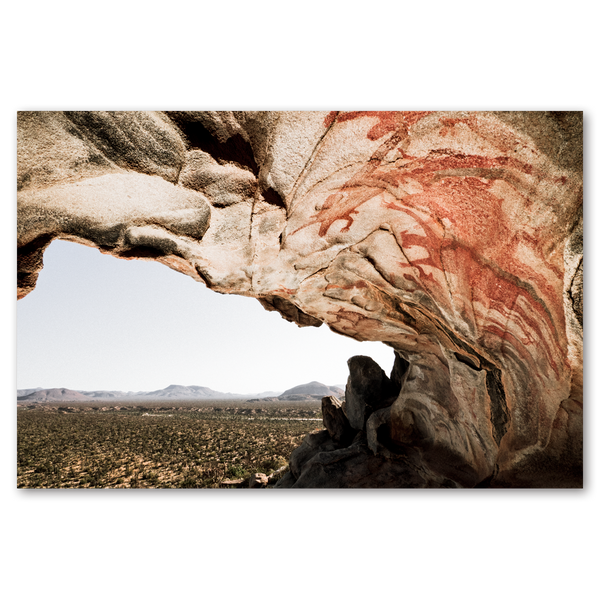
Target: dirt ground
<point>186,444</point>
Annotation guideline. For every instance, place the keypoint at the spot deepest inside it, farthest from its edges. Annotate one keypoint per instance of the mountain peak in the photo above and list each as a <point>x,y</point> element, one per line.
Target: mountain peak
<point>314,388</point>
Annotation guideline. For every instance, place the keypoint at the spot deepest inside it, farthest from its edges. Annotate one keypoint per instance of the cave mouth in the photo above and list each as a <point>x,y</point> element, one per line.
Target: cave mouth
<point>528,392</point>
<point>136,324</point>
<point>95,329</point>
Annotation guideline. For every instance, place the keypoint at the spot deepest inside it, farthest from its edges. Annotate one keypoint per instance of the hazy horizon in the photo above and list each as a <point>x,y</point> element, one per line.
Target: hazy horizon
<point>95,322</point>
<point>278,392</point>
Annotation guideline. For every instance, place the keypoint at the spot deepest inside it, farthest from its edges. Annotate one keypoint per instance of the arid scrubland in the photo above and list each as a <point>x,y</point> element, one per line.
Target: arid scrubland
<point>157,445</point>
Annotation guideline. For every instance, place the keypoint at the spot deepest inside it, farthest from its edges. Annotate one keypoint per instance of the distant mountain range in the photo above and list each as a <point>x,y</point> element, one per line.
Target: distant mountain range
<point>189,392</point>
<point>306,391</point>
<point>54,395</point>
<point>313,390</point>
<point>28,391</point>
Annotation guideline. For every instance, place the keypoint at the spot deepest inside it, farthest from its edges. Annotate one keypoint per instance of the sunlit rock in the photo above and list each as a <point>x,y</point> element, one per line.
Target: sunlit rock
<point>258,480</point>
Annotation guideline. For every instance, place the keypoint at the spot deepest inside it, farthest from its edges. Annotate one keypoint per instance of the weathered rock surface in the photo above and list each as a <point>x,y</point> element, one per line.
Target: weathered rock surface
<point>322,462</point>
<point>369,456</point>
<point>368,389</point>
<point>313,444</point>
<point>454,237</point>
<point>335,419</point>
<point>258,480</point>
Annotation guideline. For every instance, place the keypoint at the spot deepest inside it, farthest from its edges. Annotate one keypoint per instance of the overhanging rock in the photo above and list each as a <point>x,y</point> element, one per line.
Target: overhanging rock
<point>453,237</point>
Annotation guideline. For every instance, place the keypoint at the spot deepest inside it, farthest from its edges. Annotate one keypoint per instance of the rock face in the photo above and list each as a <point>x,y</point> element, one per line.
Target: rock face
<point>258,480</point>
<point>454,237</point>
<point>368,389</point>
<point>339,456</point>
<point>369,452</point>
<point>335,419</point>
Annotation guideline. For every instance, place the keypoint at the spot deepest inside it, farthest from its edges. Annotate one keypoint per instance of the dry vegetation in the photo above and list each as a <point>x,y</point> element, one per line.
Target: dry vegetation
<point>156,445</point>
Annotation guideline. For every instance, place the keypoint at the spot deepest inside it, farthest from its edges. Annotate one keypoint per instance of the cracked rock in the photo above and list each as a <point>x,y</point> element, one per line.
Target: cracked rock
<point>335,419</point>
<point>368,389</point>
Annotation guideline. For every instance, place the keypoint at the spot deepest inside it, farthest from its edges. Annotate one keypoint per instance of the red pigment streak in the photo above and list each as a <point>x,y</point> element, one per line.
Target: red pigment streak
<point>330,118</point>
<point>448,124</point>
<point>518,345</point>
<point>433,244</point>
<point>477,219</point>
<point>423,277</point>
<point>498,137</point>
<point>347,315</point>
<point>451,160</point>
<point>476,213</point>
<point>341,205</point>
<point>506,336</point>
<point>447,205</point>
<point>488,287</point>
<point>467,191</point>
<point>501,295</point>
<point>478,222</point>
<point>371,180</point>
<point>387,120</point>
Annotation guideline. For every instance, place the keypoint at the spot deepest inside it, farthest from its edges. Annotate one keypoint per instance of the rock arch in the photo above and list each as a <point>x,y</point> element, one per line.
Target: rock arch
<point>453,237</point>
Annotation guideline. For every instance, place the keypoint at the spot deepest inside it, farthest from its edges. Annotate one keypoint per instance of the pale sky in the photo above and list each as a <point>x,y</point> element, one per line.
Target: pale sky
<point>95,322</point>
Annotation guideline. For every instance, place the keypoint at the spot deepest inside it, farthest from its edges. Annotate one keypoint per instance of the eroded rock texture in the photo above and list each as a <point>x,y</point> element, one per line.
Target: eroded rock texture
<point>455,238</point>
<point>341,456</point>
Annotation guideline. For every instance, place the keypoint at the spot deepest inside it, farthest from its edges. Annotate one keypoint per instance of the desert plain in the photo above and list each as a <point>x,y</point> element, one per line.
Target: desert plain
<point>175,444</point>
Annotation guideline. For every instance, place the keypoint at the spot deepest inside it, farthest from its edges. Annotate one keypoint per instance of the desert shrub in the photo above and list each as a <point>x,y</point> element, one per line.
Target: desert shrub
<point>188,482</point>
<point>151,478</point>
<point>272,464</point>
<point>237,471</point>
<point>196,446</point>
